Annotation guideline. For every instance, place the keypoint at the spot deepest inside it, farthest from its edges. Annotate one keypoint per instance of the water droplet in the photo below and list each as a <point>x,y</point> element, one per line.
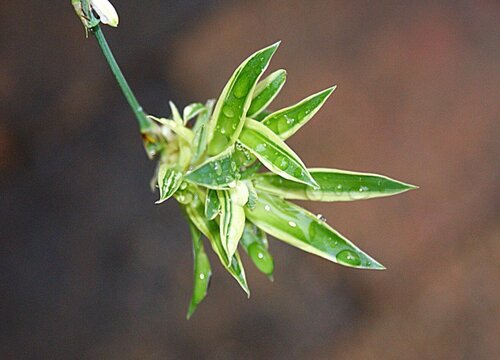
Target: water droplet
<point>228,111</point>
<point>202,276</point>
<point>283,163</point>
<point>261,148</point>
<point>222,131</point>
<point>292,224</point>
<point>321,217</point>
<point>261,258</point>
<point>241,87</point>
<point>183,186</point>
<point>348,257</point>
<point>267,208</point>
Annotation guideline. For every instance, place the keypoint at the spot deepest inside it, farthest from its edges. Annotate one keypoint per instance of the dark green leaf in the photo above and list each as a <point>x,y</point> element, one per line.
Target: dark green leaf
<point>218,172</point>
<point>212,204</point>
<point>255,243</point>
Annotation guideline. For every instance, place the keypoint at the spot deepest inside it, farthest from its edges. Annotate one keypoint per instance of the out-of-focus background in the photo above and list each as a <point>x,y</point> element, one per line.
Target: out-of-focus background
<point>92,269</point>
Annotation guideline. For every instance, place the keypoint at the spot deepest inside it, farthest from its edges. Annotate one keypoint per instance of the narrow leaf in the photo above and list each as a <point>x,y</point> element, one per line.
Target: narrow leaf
<point>176,116</point>
<point>261,116</point>
<point>334,185</point>
<point>212,204</point>
<point>298,227</point>
<point>191,111</point>
<point>210,229</point>
<point>266,91</point>
<point>218,172</point>
<point>287,121</point>
<point>200,129</point>
<point>273,153</point>
<point>202,270</point>
<point>176,127</point>
<point>169,180</point>
<point>255,243</point>
<point>234,101</point>
<point>232,218</point>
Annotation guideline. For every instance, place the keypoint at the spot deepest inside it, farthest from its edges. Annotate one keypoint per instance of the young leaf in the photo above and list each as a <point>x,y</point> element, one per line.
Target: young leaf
<point>200,130</point>
<point>273,153</point>
<point>255,243</point>
<point>212,204</point>
<point>210,229</point>
<point>334,185</point>
<point>234,101</point>
<point>298,227</point>
<point>266,91</point>
<point>202,270</point>
<point>176,116</point>
<point>191,111</point>
<point>218,172</point>
<point>169,180</point>
<point>182,131</point>
<point>287,121</point>
<point>232,218</point>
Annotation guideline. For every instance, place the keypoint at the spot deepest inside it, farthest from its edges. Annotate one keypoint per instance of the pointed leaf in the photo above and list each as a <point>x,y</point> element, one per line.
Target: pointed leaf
<point>200,129</point>
<point>232,218</point>
<point>273,153</point>
<point>334,185</point>
<point>234,101</point>
<point>191,111</point>
<point>255,243</point>
<point>176,116</point>
<point>210,229</point>
<point>286,122</point>
<point>169,180</point>
<point>218,172</point>
<point>266,91</point>
<point>202,270</point>
<point>212,204</point>
<point>298,227</point>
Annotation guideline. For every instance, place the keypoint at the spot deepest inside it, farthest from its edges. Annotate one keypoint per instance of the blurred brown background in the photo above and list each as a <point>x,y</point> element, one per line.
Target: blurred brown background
<point>92,269</point>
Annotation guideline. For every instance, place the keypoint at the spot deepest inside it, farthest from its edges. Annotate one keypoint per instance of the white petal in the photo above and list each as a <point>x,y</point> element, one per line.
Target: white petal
<point>106,12</point>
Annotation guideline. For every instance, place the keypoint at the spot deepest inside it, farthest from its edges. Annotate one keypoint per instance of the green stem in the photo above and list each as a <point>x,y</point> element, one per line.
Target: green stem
<point>142,119</point>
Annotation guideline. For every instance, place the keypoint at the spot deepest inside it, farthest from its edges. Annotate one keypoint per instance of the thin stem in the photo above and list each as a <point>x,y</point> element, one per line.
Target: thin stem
<point>142,119</point>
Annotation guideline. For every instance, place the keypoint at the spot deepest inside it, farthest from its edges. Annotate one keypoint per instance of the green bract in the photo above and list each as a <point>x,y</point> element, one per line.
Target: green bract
<point>209,161</point>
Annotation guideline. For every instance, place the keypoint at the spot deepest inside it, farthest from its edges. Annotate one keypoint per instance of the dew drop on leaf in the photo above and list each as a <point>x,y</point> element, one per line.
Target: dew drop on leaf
<point>348,257</point>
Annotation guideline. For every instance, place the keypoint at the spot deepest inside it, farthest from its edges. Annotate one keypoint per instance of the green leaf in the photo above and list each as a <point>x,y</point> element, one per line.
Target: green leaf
<point>334,185</point>
<point>169,180</point>
<point>287,121</point>
<point>176,116</point>
<point>232,216</point>
<point>202,271</point>
<point>234,101</point>
<point>200,129</point>
<point>273,153</point>
<point>210,229</point>
<point>191,111</point>
<point>266,91</point>
<point>298,227</point>
<point>218,172</point>
<point>178,128</point>
<point>255,243</point>
<point>212,204</point>
<point>261,116</point>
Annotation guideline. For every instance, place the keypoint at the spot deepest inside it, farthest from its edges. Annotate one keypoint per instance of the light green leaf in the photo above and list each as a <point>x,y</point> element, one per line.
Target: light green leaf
<point>266,91</point>
<point>298,227</point>
<point>212,204</point>
<point>202,271</point>
<point>286,122</point>
<point>234,101</point>
<point>210,229</point>
<point>273,153</point>
<point>178,128</point>
<point>176,116</point>
<point>169,180</point>
<point>191,111</point>
<point>200,129</point>
<point>218,172</point>
<point>252,194</point>
<point>334,185</point>
<point>232,216</point>
<point>255,243</point>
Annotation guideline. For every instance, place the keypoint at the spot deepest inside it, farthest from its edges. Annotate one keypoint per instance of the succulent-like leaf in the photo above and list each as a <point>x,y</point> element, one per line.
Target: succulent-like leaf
<point>200,129</point>
<point>232,216</point>
<point>191,111</point>
<point>255,243</point>
<point>273,153</point>
<point>234,101</point>
<point>169,180</point>
<point>287,121</point>
<point>202,270</point>
<point>266,91</point>
<point>334,185</point>
<point>218,172</point>
<point>212,204</point>
<point>298,227</point>
<point>210,229</point>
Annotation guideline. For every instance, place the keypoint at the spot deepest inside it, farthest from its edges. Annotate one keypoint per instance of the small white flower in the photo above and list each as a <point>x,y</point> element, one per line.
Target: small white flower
<point>106,12</point>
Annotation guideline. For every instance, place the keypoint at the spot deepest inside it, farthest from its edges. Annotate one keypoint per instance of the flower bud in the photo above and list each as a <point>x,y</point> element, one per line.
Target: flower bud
<point>106,12</point>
